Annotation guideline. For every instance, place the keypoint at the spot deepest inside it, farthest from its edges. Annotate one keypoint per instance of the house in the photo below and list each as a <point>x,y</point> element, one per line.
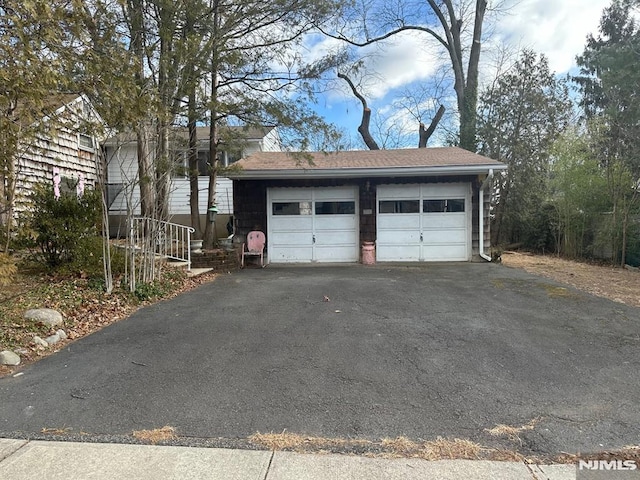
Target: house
<point>123,182</point>
<point>416,204</point>
<point>66,149</point>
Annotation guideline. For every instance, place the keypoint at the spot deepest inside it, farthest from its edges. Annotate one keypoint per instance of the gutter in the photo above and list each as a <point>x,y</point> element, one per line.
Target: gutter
<point>371,172</point>
<point>485,184</point>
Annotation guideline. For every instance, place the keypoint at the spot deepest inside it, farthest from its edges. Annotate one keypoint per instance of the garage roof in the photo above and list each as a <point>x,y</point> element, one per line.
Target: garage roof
<point>365,163</point>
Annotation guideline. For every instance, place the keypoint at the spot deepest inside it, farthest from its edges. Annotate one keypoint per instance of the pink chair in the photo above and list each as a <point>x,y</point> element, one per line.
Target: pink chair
<point>254,247</point>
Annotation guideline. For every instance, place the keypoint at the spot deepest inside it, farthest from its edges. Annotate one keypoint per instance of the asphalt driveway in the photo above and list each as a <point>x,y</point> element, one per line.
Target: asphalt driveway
<point>425,351</point>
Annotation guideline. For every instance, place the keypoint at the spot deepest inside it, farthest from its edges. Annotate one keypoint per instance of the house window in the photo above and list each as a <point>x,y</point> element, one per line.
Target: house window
<point>85,142</point>
<point>230,157</point>
<point>440,206</point>
<point>291,208</point>
<point>335,208</point>
<point>399,206</point>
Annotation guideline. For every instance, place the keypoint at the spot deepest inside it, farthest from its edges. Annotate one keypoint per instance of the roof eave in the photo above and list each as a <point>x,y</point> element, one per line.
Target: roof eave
<point>306,173</point>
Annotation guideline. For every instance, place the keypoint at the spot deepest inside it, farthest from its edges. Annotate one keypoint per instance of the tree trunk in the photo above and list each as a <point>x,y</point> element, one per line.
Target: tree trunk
<point>209,232</point>
<point>163,172</point>
<point>146,174</point>
<point>466,88</point>
<point>363,129</point>
<point>469,107</point>
<point>8,191</point>
<point>425,133</point>
<point>194,194</point>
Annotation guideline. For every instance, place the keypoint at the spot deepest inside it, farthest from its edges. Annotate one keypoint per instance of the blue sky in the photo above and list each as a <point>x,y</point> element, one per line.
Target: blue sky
<point>557,28</point>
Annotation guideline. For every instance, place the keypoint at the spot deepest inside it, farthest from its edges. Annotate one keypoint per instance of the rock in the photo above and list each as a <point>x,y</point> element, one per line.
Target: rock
<point>9,358</point>
<point>40,342</point>
<point>51,339</point>
<point>62,334</point>
<point>51,318</point>
<point>21,351</point>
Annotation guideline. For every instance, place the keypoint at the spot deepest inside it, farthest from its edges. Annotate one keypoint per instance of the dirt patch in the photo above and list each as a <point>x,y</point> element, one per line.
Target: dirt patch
<point>614,283</point>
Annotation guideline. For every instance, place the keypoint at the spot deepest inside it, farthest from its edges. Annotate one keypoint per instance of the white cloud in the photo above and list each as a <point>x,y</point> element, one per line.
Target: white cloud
<point>408,58</point>
<point>557,28</point>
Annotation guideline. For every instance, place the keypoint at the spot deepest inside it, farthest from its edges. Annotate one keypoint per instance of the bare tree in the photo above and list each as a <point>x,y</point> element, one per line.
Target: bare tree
<point>457,26</point>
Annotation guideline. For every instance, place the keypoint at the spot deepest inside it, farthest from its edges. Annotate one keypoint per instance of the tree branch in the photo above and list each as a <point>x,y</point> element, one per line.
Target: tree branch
<point>425,134</point>
<point>363,129</point>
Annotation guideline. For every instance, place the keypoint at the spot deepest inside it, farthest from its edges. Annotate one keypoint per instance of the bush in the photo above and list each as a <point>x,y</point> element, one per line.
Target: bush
<point>61,225</point>
<point>87,259</point>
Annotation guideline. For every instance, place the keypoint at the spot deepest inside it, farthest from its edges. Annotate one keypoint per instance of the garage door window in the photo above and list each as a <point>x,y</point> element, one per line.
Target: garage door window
<point>399,206</point>
<point>291,208</point>
<point>441,206</point>
<point>335,208</point>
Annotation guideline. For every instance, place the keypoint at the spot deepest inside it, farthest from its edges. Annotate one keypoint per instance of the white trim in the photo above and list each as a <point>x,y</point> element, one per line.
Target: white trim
<point>485,184</point>
<point>365,172</point>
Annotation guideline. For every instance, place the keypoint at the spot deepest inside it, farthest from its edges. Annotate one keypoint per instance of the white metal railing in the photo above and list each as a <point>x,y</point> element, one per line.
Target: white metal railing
<point>157,238</point>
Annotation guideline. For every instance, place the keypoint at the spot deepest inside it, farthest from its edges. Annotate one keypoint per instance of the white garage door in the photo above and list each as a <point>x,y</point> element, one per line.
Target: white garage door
<point>313,224</point>
<point>428,222</point>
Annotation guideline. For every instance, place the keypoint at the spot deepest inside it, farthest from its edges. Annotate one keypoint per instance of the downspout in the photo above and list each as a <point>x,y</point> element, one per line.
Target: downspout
<point>485,184</point>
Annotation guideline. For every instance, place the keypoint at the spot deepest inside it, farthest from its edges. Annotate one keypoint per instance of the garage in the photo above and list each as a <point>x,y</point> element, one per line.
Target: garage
<point>424,222</point>
<point>415,205</point>
<point>312,224</point>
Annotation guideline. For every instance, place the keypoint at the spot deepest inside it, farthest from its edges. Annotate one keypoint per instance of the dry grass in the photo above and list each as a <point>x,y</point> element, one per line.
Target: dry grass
<point>55,431</point>
<point>156,435</point>
<point>511,432</point>
<point>553,291</point>
<point>614,283</point>
<point>299,443</point>
<point>438,449</point>
<point>629,452</point>
<point>399,447</point>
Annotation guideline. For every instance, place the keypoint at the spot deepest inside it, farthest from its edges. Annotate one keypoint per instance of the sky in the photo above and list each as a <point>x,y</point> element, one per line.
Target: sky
<point>556,28</point>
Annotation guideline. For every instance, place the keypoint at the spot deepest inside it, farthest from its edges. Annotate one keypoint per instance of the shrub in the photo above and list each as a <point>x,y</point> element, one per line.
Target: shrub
<point>60,225</point>
<point>87,259</point>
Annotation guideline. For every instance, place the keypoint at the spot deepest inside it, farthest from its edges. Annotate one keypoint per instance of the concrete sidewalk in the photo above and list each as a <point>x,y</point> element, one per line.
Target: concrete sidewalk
<point>23,459</point>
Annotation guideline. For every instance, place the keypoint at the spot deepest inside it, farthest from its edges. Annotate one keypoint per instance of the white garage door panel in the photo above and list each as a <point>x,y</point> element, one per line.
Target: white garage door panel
<point>398,192</point>
<point>444,221</point>
<point>333,194</point>
<point>333,253</point>
<point>292,223</point>
<point>405,221</point>
<point>444,237</point>
<point>334,222</point>
<point>290,254</point>
<point>398,253</point>
<point>398,237</point>
<point>437,253</point>
<point>329,238</point>
<point>431,236</point>
<point>291,237</point>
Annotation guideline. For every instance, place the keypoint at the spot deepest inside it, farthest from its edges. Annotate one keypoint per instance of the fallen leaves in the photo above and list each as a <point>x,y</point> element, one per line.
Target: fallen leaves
<point>85,309</point>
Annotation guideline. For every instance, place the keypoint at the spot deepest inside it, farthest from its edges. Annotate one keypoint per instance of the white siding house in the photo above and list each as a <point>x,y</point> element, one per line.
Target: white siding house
<point>123,182</point>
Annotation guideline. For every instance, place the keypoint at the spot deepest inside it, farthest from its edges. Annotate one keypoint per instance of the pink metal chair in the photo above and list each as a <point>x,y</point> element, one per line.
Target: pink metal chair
<point>254,247</point>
